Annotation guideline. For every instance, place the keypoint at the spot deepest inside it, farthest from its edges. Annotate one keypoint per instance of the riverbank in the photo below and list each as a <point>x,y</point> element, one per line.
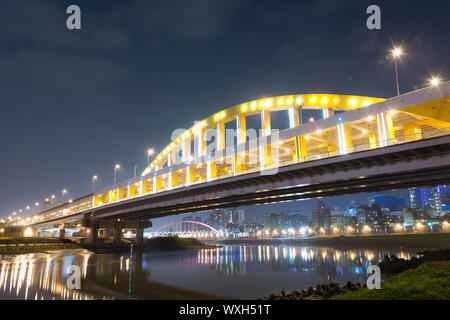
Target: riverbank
<point>11,245</point>
<point>153,244</point>
<point>15,245</point>
<point>427,277</point>
<point>430,281</point>
<point>425,241</point>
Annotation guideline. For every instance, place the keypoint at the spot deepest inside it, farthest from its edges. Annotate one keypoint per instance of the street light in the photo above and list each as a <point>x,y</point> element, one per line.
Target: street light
<point>94,177</point>
<point>150,152</point>
<point>435,81</point>
<point>396,53</point>
<point>63,193</point>
<point>117,167</point>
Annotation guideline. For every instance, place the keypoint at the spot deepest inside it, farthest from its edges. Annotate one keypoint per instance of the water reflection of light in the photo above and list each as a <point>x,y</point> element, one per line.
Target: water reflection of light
<point>35,276</point>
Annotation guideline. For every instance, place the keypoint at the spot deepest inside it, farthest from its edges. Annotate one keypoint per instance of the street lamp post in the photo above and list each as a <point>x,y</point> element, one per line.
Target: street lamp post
<point>396,53</point>
<point>95,177</point>
<point>149,153</point>
<point>63,193</point>
<point>117,167</point>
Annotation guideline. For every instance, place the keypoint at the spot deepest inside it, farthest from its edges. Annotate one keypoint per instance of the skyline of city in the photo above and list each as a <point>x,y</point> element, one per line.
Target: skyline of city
<point>252,214</point>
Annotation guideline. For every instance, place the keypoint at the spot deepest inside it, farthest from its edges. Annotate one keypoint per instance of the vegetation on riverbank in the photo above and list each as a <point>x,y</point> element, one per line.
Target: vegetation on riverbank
<point>430,281</point>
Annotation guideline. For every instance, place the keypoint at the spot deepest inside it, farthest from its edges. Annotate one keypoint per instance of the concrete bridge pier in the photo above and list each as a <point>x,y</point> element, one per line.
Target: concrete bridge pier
<point>140,234</point>
<point>118,227</point>
<point>140,226</point>
<point>62,231</point>
<point>91,231</point>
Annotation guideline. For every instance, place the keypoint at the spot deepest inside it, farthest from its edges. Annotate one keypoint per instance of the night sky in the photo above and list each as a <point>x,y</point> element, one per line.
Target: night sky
<point>74,103</point>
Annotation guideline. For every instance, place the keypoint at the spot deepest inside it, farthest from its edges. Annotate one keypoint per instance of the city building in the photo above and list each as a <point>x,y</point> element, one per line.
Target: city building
<point>411,216</point>
<point>227,218</point>
<point>352,208</point>
<point>437,198</point>
<point>321,216</point>
<point>374,216</point>
<point>285,220</point>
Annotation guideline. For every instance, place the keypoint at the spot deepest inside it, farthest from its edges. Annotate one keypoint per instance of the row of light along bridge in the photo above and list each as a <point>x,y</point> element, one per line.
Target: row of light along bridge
<point>209,155</point>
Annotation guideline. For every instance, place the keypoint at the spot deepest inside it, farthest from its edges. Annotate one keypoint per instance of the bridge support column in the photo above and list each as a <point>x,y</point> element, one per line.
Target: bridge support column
<point>118,227</point>
<point>139,227</point>
<point>91,231</point>
<point>62,231</point>
<point>139,235</point>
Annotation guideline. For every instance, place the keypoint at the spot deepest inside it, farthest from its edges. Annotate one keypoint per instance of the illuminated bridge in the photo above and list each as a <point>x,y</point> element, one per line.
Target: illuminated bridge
<point>361,144</point>
<point>189,228</point>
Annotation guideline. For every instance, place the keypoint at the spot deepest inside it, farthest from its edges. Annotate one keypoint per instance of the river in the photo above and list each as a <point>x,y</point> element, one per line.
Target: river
<point>237,271</point>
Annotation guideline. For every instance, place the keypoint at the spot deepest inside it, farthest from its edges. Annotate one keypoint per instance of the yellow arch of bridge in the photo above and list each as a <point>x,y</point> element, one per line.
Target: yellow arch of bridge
<point>306,101</point>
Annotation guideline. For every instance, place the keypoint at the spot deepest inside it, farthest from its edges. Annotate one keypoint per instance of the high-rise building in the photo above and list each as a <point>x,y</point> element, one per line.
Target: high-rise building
<point>374,216</point>
<point>352,208</point>
<point>227,218</point>
<point>321,217</point>
<point>413,215</point>
<point>437,198</point>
